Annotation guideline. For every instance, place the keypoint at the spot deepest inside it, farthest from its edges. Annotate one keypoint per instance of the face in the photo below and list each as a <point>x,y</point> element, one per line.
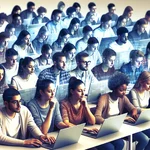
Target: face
<point>11,31</point>
<point>71,54</point>
<point>62,7</point>
<point>78,9</point>
<point>79,92</point>
<point>61,63</point>
<point>17,12</point>
<point>137,62</point>
<point>76,26</point>
<point>14,105</point>
<point>93,9</point>
<point>29,69</point>
<point>44,36</point>
<point>93,47</point>
<point>49,93</point>
<point>142,28</point>
<point>130,14</point>
<point>57,18</point>
<point>11,60</point>
<point>110,61</point>
<point>18,20</point>
<point>42,14</point>
<point>123,23</point>
<point>26,40</point>
<point>121,91</point>
<point>1,74</point>
<point>84,63</point>
<point>48,54</point>
<point>72,15</point>
<point>88,34</point>
<point>65,38</point>
<point>107,24</point>
<point>4,43</point>
<point>145,85</point>
<point>112,10</point>
<point>123,38</point>
<point>32,8</point>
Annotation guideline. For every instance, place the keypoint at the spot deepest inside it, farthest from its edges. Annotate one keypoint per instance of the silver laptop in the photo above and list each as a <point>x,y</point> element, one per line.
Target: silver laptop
<point>66,137</point>
<point>109,126</point>
<point>96,89</point>
<point>143,117</point>
<point>61,91</point>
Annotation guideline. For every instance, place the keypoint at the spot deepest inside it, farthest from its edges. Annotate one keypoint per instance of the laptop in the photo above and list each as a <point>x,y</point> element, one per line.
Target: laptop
<point>66,137</point>
<point>143,117</point>
<point>109,126</point>
<point>96,89</point>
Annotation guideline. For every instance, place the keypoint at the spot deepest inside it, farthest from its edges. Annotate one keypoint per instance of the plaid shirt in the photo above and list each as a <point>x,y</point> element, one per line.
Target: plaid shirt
<point>49,74</point>
<point>127,69</point>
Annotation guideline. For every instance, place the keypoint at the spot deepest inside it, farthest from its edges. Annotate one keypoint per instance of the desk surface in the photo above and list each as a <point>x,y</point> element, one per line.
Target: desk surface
<point>83,143</point>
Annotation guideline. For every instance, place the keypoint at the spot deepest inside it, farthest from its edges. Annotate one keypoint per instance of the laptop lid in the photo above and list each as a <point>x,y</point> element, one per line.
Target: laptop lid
<point>66,137</point>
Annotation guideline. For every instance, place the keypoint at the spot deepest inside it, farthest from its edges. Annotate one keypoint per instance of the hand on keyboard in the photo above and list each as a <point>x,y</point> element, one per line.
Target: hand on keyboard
<point>130,119</point>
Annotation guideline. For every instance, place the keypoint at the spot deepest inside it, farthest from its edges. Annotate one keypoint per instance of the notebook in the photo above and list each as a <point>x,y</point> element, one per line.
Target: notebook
<point>109,126</point>
<point>143,117</point>
<point>66,137</point>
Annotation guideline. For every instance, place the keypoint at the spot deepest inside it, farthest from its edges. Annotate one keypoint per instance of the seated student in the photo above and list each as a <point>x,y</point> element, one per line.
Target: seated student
<point>82,70</point>
<point>62,39</point>
<point>57,72</point>
<point>113,103</point>
<point>26,77</point>
<point>74,28</point>
<point>23,45</point>
<point>3,84</point>
<point>89,20</point>
<point>121,22</point>
<point>82,43</point>
<point>92,50</point>
<point>147,17</point>
<point>40,18</point>
<point>77,6</point>
<point>128,11</point>
<point>3,22</point>
<point>16,10</point>
<point>147,58</point>
<point>40,39</point>
<point>10,31</point>
<point>71,13</point>
<point>16,122</point>
<point>139,31</point>
<point>70,51</point>
<point>44,60</point>
<point>106,69</point>
<point>135,66</point>
<point>11,65</point>
<point>61,6</point>
<point>45,107</point>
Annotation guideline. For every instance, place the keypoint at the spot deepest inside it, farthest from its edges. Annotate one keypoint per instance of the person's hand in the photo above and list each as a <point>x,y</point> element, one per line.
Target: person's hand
<point>130,119</point>
<point>34,142</point>
<point>47,139</point>
<point>135,114</point>
<point>93,130</point>
<point>84,102</point>
<point>52,104</point>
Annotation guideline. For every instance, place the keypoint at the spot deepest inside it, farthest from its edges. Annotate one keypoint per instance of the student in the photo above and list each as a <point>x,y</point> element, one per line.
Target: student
<point>106,69</point>
<point>82,43</point>
<point>41,16</point>
<point>23,45</point>
<point>113,103</point>
<point>40,39</point>
<point>147,17</point>
<point>61,6</point>
<point>45,107</point>
<point>128,11</point>
<point>147,58</point>
<point>135,66</point>
<point>57,72</point>
<point>3,22</point>
<point>61,41</point>
<point>3,84</point>
<point>16,122</point>
<point>77,6</point>
<point>11,65</point>
<point>70,51</point>
<point>26,77</point>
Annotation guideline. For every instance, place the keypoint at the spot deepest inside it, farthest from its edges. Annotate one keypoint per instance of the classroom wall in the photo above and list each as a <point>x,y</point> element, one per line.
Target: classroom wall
<point>139,6</point>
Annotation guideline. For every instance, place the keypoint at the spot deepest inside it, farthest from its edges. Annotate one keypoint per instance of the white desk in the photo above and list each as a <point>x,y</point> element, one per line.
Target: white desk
<point>87,142</point>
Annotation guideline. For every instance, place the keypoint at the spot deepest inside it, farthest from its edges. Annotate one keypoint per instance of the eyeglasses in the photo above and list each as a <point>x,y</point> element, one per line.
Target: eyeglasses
<point>16,102</point>
<point>86,62</point>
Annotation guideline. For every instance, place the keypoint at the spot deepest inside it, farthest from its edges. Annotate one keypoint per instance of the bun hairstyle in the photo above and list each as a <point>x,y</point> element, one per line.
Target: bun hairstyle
<point>73,84</point>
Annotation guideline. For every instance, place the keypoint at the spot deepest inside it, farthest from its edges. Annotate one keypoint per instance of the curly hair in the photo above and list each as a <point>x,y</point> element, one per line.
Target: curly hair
<point>117,79</point>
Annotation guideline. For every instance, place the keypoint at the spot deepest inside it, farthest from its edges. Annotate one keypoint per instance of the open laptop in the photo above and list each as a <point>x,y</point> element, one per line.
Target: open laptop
<point>143,117</point>
<point>66,137</point>
<point>109,126</point>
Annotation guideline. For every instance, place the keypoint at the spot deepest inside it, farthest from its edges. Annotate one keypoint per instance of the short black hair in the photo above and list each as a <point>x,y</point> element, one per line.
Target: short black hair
<point>92,40</point>
<point>105,18</point>
<point>148,13</point>
<point>110,5</point>
<point>11,52</point>
<point>45,48</point>
<point>9,26</point>
<point>55,12</point>
<point>117,79</point>
<point>76,5</point>
<point>41,10</point>
<point>74,21</point>
<point>91,4</point>
<point>70,10</point>
<point>68,47</point>
<point>80,55</point>
<point>30,4</point>
<point>9,94</point>
<point>122,30</point>
<point>108,52</point>
<point>86,29</point>
<point>57,55</point>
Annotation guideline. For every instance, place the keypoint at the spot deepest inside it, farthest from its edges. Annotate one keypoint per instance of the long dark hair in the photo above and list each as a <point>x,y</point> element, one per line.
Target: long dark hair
<point>4,77</point>
<point>41,85</point>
